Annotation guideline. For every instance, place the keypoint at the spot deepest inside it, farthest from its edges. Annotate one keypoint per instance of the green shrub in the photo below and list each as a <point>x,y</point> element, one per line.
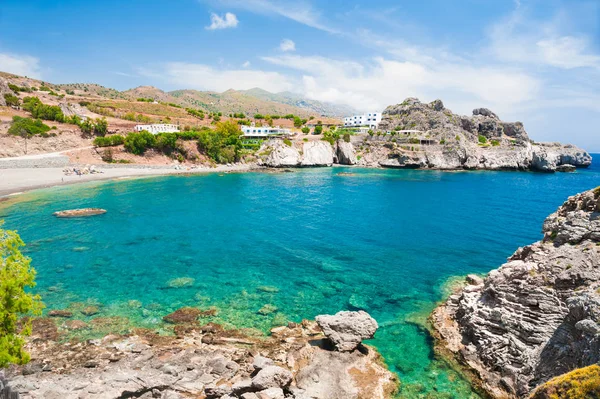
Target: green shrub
<point>305,139</point>
<point>443,141</point>
<point>16,277</point>
<point>166,142</point>
<point>42,111</point>
<point>145,100</point>
<point>27,127</point>
<point>84,103</point>
<point>305,130</point>
<point>371,132</point>
<point>318,129</point>
<point>495,143</point>
<point>138,143</point>
<point>11,100</point>
<point>45,88</point>
<point>100,127</point>
<point>14,87</point>
<point>109,141</point>
<point>223,144</point>
<point>482,139</point>
<point>347,137</point>
<point>287,142</point>
<point>298,122</point>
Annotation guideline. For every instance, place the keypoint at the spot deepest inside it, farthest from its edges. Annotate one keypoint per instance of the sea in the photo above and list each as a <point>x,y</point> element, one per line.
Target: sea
<point>265,249</point>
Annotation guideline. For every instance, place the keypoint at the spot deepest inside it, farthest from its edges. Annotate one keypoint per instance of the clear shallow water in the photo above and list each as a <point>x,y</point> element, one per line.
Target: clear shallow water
<point>309,242</point>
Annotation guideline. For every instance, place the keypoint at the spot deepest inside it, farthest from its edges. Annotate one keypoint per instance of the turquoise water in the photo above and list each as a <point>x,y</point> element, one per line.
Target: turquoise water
<point>309,242</point>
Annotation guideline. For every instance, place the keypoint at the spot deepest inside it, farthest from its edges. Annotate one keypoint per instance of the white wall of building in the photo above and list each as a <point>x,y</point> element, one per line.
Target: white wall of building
<point>264,131</point>
<point>370,119</point>
<point>158,128</point>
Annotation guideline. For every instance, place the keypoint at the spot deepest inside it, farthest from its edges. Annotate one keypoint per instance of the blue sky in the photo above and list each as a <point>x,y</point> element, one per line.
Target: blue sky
<point>529,60</point>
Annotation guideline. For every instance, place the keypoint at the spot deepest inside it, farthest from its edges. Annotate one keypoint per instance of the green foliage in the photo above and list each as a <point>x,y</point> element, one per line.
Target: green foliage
<point>305,130</point>
<point>443,141</point>
<point>27,127</point>
<point>330,136</point>
<point>42,111</point>
<point>347,137</point>
<point>109,141</point>
<point>245,122</point>
<point>371,132</point>
<point>16,275</point>
<point>581,383</point>
<point>14,87</point>
<point>259,116</point>
<point>138,143</point>
<point>239,115</point>
<point>145,100</point>
<point>457,137</point>
<point>495,143</point>
<point>101,127</point>
<point>84,103</point>
<point>275,116</point>
<point>216,118</point>
<point>414,141</point>
<point>318,129</point>
<point>11,100</point>
<point>223,144</point>
<point>297,121</point>
<point>166,142</point>
<point>287,142</point>
<point>305,139</point>
<point>45,88</point>
<point>482,139</point>
<point>289,116</point>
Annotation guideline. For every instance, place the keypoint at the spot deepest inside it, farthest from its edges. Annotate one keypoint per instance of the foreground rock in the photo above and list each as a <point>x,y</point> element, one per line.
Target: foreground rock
<point>201,362</point>
<point>346,330</point>
<point>76,213</point>
<point>537,316</point>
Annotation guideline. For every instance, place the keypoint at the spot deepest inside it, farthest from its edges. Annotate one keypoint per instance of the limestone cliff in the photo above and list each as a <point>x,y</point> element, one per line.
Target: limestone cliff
<point>418,135</point>
<point>537,316</point>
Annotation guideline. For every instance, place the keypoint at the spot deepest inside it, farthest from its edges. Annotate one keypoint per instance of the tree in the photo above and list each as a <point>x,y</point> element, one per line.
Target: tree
<point>138,143</point>
<point>101,127</point>
<point>318,129</point>
<point>16,274</point>
<point>223,144</point>
<point>298,121</point>
<point>305,130</point>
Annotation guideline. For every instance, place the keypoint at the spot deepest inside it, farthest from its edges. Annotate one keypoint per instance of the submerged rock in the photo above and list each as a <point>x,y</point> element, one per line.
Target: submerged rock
<point>183,315</point>
<point>538,315</point>
<point>346,330</point>
<point>75,213</point>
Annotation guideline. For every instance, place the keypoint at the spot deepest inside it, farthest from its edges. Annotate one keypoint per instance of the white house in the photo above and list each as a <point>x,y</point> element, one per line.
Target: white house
<point>264,132</point>
<point>370,119</point>
<point>158,128</point>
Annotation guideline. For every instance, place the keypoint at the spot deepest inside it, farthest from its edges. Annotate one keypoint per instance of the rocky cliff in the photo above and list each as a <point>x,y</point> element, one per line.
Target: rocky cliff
<point>418,135</point>
<point>538,315</point>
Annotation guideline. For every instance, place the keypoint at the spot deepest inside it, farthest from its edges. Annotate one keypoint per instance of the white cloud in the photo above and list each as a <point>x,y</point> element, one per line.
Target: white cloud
<point>246,64</point>
<point>521,39</point>
<point>204,77</point>
<point>381,82</point>
<point>298,11</point>
<point>229,20</point>
<point>23,65</point>
<point>287,45</point>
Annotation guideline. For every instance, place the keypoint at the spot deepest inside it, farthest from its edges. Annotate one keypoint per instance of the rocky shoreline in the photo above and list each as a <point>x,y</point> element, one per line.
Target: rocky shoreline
<point>323,359</point>
<point>415,135</point>
<point>537,316</point>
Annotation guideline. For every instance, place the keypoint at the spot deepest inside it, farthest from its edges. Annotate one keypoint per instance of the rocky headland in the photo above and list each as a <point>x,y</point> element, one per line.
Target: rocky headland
<point>537,316</point>
<point>429,136</point>
<point>309,360</point>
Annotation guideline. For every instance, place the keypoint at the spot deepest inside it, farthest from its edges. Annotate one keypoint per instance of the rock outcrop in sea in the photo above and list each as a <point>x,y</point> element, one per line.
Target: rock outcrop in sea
<point>418,135</point>
<point>538,315</point>
<point>296,362</point>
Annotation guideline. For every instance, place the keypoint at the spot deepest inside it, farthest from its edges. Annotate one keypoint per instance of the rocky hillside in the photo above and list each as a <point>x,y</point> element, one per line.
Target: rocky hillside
<point>537,316</point>
<point>418,135</point>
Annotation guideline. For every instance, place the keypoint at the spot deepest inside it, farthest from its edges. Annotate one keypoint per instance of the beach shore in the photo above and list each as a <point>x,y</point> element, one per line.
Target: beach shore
<point>18,180</point>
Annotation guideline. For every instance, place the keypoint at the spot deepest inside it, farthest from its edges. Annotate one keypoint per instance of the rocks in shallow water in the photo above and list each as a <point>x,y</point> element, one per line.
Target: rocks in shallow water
<point>60,313</point>
<point>346,330</point>
<point>268,288</point>
<point>566,168</point>
<point>183,315</point>
<point>75,213</point>
<point>181,282</point>
<point>267,309</point>
<point>90,310</point>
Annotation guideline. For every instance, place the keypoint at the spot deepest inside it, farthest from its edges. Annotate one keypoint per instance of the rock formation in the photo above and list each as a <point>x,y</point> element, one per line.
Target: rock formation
<point>346,330</point>
<point>4,89</point>
<point>295,362</point>
<point>418,135</point>
<point>538,315</point>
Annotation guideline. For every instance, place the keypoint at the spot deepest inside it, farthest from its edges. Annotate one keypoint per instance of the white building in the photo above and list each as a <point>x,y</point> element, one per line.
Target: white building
<point>371,120</point>
<point>264,132</point>
<point>158,128</point>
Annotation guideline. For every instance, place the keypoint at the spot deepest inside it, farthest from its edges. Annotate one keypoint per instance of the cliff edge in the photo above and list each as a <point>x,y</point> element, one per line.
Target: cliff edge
<point>538,315</point>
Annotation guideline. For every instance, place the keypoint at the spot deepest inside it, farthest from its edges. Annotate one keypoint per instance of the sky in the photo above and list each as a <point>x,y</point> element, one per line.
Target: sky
<point>536,61</point>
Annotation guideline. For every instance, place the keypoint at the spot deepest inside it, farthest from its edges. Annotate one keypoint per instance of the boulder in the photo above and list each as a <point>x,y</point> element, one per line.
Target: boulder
<point>317,153</point>
<point>261,362</point>
<point>276,154</point>
<point>272,377</point>
<point>271,393</point>
<point>4,89</point>
<point>346,155</point>
<point>485,112</point>
<point>183,315</point>
<point>346,330</point>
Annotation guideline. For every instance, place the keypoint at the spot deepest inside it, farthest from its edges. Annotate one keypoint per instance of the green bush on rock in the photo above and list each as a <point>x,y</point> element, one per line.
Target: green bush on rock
<point>138,143</point>
<point>16,274</point>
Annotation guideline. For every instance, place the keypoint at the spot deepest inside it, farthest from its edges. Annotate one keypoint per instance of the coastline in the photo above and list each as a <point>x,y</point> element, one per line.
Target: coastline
<point>20,180</point>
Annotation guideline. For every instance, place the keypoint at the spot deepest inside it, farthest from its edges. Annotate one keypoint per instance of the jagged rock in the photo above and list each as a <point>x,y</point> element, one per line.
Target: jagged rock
<point>484,112</point>
<point>276,154</point>
<point>566,168</point>
<point>346,155</point>
<point>538,315</point>
<point>4,89</point>
<point>271,393</point>
<point>317,153</point>
<point>346,330</point>
<point>261,362</point>
<point>474,279</point>
<point>272,377</point>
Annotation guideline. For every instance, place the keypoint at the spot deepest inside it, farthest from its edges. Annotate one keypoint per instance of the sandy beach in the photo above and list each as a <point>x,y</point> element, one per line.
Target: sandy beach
<point>17,180</point>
